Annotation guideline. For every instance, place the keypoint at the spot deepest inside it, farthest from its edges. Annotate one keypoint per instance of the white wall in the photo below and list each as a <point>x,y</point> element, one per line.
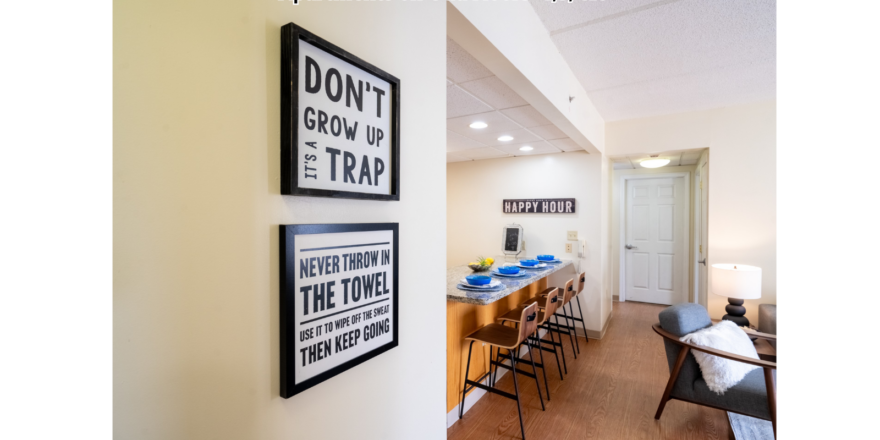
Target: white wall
<point>617,240</point>
<point>196,213</point>
<point>474,217</point>
<point>742,181</point>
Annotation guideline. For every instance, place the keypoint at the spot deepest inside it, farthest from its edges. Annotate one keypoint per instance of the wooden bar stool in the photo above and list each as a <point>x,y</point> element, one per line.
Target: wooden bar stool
<point>510,339</point>
<point>555,327</point>
<point>582,278</point>
<point>515,316</point>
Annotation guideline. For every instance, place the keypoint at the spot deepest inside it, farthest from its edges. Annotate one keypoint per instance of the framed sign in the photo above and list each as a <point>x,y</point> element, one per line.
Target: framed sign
<point>541,206</point>
<point>340,122</point>
<point>338,299</point>
<point>511,239</point>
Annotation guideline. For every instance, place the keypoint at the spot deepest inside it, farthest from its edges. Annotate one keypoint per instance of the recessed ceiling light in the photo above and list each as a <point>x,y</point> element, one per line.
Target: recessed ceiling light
<point>505,138</point>
<point>526,148</point>
<point>479,124</point>
<point>654,162</point>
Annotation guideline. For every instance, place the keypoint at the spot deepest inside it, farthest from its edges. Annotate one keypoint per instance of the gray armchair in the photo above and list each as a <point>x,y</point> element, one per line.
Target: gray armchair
<point>754,396</point>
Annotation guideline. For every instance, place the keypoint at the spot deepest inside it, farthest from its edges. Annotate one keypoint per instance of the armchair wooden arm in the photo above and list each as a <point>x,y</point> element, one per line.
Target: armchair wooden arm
<point>734,357</point>
<point>754,334</point>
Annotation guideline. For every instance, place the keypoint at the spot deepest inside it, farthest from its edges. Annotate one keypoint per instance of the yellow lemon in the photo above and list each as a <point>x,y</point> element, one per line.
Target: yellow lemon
<point>473,263</point>
<point>490,260</point>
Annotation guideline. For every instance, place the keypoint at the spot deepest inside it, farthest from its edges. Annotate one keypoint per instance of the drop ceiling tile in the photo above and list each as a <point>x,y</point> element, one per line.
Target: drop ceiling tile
<point>494,92</point>
<point>566,144</point>
<point>495,120</point>
<point>689,161</point>
<point>642,58</point>
<point>455,158</point>
<point>449,83</point>
<point>457,142</point>
<point>560,15</point>
<point>622,166</point>
<point>540,147</point>
<point>548,132</point>
<point>461,66</point>
<point>481,153</point>
<point>527,116</point>
<point>460,103</point>
<point>674,39</point>
<point>491,139</point>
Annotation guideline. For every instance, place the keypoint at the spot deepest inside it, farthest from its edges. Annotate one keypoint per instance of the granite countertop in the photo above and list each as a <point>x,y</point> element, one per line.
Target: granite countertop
<point>455,274</point>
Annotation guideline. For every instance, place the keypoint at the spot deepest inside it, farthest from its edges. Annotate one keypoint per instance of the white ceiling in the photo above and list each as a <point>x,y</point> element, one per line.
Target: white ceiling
<point>640,58</point>
<point>676,158</point>
<point>473,94</point>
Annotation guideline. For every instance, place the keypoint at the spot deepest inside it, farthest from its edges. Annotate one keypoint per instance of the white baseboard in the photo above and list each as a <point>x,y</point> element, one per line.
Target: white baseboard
<point>477,393</point>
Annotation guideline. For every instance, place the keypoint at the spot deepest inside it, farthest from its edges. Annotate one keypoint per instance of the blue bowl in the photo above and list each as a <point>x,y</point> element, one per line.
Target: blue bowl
<point>546,257</point>
<point>529,263</point>
<point>478,280</point>
<point>508,270</point>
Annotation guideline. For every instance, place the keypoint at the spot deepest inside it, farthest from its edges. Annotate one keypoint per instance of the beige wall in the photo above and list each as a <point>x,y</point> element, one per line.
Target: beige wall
<point>617,240</point>
<point>742,181</point>
<point>474,217</point>
<point>196,212</point>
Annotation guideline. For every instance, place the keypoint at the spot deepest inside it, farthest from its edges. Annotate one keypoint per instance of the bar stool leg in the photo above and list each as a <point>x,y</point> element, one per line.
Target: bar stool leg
<point>573,326</point>
<point>570,337</point>
<point>543,365</point>
<point>582,321</point>
<point>522,427</point>
<point>491,366</point>
<point>560,345</point>
<point>464,389</point>
<point>535,372</point>
<point>555,353</point>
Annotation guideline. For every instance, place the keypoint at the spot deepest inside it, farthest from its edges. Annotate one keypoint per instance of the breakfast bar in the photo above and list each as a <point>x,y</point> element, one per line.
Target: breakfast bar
<point>467,311</point>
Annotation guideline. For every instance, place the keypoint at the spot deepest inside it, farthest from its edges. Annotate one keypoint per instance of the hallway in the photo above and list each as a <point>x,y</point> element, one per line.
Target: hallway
<point>611,392</point>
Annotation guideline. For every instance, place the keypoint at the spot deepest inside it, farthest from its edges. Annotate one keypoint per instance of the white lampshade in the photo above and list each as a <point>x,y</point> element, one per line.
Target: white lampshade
<point>736,281</point>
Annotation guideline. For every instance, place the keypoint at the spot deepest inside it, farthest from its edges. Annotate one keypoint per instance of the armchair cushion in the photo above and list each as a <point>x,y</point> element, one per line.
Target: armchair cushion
<point>748,397</point>
<point>721,374</point>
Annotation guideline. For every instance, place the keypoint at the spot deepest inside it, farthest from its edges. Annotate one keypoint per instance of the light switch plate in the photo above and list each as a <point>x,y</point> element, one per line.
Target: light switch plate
<point>567,248</point>
<point>572,235</point>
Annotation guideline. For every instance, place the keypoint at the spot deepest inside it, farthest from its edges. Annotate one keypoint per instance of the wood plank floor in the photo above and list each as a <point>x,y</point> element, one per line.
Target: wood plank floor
<point>611,392</point>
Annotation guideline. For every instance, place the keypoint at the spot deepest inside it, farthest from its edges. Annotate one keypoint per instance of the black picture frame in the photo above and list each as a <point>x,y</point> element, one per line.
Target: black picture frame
<point>290,36</point>
<point>287,303</point>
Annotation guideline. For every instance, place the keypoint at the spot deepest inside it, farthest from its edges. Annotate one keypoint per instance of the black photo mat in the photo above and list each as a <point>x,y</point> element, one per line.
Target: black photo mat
<point>291,299</point>
<point>291,150</point>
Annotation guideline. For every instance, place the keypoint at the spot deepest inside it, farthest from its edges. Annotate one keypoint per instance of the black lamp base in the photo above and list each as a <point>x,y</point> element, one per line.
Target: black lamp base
<point>736,312</point>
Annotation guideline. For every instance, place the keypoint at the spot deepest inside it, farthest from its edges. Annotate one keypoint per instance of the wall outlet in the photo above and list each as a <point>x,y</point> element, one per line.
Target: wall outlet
<point>567,248</point>
<point>572,235</point>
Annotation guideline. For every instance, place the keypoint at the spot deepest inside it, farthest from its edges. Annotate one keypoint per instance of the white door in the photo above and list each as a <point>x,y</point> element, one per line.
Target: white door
<point>703,249</point>
<point>656,256</point>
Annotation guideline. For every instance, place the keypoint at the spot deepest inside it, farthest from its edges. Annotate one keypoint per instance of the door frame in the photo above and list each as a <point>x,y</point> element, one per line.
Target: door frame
<point>687,226</point>
<point>700,297</point>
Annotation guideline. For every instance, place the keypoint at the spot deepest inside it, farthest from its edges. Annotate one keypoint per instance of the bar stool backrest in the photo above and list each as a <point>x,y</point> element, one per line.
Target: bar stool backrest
<point>582,279</point>
<point>553,301</point>
<point>528,322</point>
<point>568,292</point>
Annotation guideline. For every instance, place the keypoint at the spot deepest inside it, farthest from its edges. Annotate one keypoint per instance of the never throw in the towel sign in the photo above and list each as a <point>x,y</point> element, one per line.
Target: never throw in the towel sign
<point>540,206</point>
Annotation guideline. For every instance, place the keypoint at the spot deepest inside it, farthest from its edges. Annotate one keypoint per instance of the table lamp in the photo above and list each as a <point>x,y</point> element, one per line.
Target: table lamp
<point>737,282</point>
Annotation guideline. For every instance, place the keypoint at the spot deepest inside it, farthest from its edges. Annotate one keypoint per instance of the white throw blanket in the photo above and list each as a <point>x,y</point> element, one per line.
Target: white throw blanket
<point>721,374</point>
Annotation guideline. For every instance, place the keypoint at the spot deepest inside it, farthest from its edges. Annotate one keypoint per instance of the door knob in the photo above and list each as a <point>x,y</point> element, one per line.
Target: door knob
<point>629,246</point>
<point>703,261</point>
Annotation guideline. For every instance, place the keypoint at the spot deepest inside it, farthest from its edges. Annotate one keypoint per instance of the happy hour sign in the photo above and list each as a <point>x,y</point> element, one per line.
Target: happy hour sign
<point>339,122</point>
<point>542,206</point>
<point>338,299</point>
